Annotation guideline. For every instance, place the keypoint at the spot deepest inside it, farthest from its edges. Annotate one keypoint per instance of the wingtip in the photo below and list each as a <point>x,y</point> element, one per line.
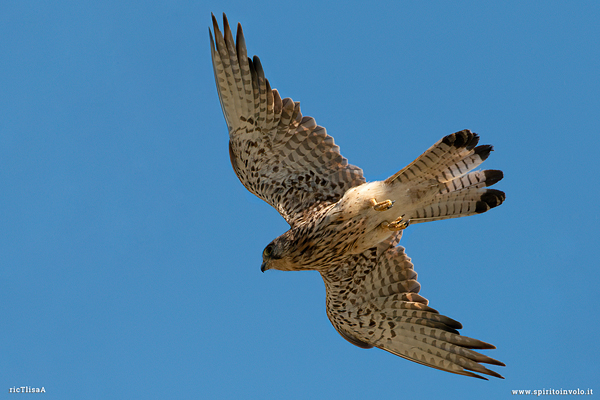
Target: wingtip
<point>213,48</point>
<point>215,24</point>
<point>483,370</point>
<point>472,375</point>
<point>239,36</point>
<point>225,24</point>
<point>494,374</point>
<point>258,66</point>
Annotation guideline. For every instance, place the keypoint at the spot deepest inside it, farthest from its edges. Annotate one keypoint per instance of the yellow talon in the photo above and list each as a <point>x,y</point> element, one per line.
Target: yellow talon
<point>382,206</point>
<point>398,224</point>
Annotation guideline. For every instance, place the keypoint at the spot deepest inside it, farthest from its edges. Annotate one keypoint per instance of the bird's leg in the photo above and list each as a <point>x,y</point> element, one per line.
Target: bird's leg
<point>382,206</point>
<point>398,224</point>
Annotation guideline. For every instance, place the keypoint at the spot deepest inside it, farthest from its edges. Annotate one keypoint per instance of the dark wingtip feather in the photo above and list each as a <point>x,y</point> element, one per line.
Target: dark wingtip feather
<point>226,27</point>
<point>214,20</point>
<point>239,36</point>
<point>493,373</point>
<point>452,323</point>
<point>258,67</point>
<point>252,69</point>
<point>472,375</point>
<point>240,44</point>
<point>215,27</point>
<point>478,344</point>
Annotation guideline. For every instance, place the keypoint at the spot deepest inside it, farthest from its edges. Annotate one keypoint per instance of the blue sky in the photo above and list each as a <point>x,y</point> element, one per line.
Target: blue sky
<point>130,253</point>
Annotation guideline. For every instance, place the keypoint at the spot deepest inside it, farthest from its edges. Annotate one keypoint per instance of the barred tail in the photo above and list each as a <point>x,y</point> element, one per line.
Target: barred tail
<point>441,184</point>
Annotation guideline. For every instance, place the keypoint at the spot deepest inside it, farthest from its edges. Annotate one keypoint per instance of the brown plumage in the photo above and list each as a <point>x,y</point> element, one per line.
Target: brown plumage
<point>347,229</point>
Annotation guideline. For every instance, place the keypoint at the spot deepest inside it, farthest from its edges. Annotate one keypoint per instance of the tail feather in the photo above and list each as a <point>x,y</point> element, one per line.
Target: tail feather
<point>461,203</point>
<point>452,156</point>
<point>441,181</point>
<point>476,180</point>
<point>461,166</point>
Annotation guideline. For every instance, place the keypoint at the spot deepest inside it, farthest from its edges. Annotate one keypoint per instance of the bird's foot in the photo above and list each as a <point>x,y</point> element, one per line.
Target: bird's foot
<point>382,206</point>
<point>398,224</point>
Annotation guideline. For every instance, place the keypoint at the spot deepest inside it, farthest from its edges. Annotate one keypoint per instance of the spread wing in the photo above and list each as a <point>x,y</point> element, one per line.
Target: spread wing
<point>282,157</point>
<point>373,301</point>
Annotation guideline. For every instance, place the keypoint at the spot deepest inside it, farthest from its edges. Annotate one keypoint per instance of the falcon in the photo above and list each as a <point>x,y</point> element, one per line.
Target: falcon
<point>346,228</point>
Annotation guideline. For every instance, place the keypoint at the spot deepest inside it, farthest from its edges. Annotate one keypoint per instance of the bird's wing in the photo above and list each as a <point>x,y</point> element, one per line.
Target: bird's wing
<point>373,301</point>
<point>282,157</point>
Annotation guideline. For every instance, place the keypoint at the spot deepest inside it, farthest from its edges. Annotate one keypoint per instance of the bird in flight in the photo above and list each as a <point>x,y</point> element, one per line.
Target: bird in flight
<point>346,228</point>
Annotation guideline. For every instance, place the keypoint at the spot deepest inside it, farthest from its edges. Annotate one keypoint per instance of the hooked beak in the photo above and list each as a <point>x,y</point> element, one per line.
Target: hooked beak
<point>263,267</point>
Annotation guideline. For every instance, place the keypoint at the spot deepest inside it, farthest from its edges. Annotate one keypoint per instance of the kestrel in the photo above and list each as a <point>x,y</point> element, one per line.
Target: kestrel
<point>348,229</point>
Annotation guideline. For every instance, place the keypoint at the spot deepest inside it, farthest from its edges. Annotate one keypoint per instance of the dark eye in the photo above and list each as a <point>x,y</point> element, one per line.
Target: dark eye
<point>268,251</point>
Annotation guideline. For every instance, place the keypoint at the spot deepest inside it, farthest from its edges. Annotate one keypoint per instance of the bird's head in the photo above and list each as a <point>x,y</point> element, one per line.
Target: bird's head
<point>278,255</point>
